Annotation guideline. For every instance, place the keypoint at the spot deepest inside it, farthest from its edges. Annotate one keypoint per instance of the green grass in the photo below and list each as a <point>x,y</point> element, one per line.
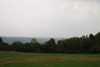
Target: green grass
<point>22,59</point>
<point>53,64</point>
<point>24,54</point>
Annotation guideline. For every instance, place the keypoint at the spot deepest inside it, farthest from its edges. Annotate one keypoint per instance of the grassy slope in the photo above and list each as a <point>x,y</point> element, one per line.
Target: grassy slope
<point>21,59</point>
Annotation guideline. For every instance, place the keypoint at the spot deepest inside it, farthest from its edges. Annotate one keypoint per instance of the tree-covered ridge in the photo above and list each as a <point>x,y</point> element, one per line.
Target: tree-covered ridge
<point>85,44</point>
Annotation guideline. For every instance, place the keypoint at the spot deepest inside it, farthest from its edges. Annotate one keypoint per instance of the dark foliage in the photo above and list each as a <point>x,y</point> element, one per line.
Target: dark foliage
<point>75,45</point>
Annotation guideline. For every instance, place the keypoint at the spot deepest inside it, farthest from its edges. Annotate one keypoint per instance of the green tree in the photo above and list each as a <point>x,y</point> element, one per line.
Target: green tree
<point>92,37</point>
<point>34,41</point>
<point>73,45</point>
<point>1,40</point>
<point>3,46</point>
<point>97,38</point>
<point>61,47</point>
<point>95,49</point>
<point>50,46</point>
<point>17,46</point>
<point>85,44</point>
<point>35,45</point>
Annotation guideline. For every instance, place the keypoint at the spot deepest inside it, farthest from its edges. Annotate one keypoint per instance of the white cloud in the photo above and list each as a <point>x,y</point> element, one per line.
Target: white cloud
<point>44,18</point>
<point>80,10</point>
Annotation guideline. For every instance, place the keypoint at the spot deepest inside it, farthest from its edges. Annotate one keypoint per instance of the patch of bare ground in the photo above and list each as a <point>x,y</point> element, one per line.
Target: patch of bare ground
<point>51,59</point>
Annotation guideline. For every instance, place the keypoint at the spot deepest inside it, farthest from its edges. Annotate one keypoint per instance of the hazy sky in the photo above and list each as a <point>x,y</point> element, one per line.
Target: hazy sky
<point>49,18</point>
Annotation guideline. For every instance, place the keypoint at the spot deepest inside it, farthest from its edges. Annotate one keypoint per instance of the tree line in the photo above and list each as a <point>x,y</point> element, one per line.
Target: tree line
<point>75,45</point>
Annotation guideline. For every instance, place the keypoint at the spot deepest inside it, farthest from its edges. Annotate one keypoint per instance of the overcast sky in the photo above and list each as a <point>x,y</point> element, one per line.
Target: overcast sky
<point>49,18</point>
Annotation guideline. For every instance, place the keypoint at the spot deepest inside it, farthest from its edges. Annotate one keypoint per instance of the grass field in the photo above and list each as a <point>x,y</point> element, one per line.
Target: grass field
<point>21,59</point>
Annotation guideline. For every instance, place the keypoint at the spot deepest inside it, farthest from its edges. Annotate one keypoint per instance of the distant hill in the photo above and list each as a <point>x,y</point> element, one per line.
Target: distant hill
<point>26,39</point>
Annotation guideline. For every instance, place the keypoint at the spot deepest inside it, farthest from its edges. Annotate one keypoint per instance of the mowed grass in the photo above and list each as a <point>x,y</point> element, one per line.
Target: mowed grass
<point>22,59</point>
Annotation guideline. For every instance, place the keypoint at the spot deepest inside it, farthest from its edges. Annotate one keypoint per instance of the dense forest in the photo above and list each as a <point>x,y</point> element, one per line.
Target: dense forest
<point>75,45</point>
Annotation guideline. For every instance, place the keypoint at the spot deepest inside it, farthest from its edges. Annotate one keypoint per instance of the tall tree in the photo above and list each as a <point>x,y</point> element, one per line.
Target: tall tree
<point>1,40</point>
<point>50,46</point>
<point>3,46</point>
<point>35,45</point>
<point>97,37</point>
<point>17,46</point>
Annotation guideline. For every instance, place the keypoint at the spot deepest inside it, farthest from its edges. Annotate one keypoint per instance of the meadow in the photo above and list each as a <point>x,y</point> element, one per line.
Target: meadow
<point>22,59</point>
